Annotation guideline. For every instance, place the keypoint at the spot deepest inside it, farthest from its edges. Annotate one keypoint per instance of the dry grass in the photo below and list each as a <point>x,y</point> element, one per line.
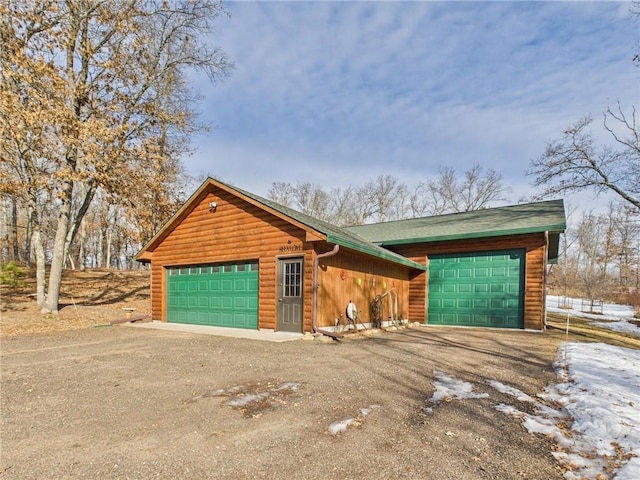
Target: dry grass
<point>585,330</point>
<point>88,298</point>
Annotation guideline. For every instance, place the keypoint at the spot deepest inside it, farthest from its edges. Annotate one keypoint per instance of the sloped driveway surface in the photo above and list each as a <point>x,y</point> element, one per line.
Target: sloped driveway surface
<point>122,402</point>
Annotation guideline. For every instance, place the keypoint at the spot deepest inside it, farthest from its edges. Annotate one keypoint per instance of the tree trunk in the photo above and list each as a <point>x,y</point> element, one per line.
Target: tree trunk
<point>100,248</point>
<point>59,253</point>
<point>15,254</point>
<point>31,220</point>
<point>4,251</point>
<point>107,262</point>
<point>38,251</point>
<point>88,194</point>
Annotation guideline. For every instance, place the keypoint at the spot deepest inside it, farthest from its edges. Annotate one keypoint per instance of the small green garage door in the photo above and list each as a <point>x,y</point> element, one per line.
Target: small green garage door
<point>223,295</point>
<point>480,289</point>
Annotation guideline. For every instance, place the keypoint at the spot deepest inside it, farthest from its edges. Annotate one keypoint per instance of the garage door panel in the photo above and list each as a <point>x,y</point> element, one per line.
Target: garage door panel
<point>480,303</point>
<point>465,273</point>
<point>481,273</point>
<point>227,302</point>
<point>226,319</point>
<point>448,302</point>
<point>218,295</point>
<point>464,303</point>
<point>477,289</point>
<point>479,320</point>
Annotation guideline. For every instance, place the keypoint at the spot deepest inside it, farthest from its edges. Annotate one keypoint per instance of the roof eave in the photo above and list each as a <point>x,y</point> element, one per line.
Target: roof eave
<point>143,254</point>
<point>376,252</point>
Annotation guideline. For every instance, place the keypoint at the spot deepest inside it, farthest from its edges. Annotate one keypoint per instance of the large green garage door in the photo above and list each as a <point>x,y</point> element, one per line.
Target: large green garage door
<point>223,295</point>
<point>483,289</point>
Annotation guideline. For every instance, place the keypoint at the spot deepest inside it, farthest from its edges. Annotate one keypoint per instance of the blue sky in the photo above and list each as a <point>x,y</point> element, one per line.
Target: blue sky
<point>337,93</point>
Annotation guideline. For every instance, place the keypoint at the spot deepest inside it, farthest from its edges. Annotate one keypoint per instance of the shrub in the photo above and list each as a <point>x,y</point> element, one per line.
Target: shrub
<point>11,274</point>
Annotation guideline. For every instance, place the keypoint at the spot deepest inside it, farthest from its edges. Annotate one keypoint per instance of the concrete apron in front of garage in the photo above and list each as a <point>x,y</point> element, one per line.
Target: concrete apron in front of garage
<point>267,335</point>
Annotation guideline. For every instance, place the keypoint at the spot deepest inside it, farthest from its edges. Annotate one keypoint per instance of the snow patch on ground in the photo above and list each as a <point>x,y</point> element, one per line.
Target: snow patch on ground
<point>597,421</point>
<point>614,317</point>
<point>450,388</point>
<point>593,413</point>
<point>253,398</point>
<point>341,426</point>
<point>620,326</point>
<point>602,395</point>
<point>514,392</point>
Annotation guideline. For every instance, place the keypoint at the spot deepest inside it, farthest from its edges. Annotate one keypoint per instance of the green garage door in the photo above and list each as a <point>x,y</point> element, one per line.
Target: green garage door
<point>480,289</point>
<point>223,295</point>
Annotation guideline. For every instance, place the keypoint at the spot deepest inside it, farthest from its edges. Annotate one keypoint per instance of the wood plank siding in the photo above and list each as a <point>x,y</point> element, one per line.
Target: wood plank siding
<point>235,231</point>
<point>239,231</point>
<point>535,265</point>
<point>223,224</point>
<point>349,276</point>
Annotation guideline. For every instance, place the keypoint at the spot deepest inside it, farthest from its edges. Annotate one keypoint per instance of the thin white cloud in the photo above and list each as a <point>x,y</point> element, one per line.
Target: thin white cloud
<point>336,92</point>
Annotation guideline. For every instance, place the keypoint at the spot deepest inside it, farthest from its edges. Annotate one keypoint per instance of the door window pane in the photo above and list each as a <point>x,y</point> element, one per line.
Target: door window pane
<point>292,279</point>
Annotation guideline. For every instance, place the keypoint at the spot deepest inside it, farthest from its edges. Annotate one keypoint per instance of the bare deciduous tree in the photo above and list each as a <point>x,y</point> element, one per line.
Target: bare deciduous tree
<point>575,162</point>
<point>386,198</point>
<point>474,191</point>
<point>600,256</point>
<point>305,197</point>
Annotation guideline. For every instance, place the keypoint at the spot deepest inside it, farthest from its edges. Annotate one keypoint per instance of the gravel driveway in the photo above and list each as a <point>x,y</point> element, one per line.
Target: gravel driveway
<point>124,402</point>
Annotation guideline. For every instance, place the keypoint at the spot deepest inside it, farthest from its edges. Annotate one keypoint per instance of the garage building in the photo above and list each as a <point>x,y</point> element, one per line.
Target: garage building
<point>487,268</point>
<point>231,258</point>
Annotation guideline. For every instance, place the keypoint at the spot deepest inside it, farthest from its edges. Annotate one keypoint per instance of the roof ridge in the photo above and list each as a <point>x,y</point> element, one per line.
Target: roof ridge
<point>524,218</point>
<point>515,205</point>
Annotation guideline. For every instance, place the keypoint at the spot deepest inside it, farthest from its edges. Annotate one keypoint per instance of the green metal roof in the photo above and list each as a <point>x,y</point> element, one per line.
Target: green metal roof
<point>335,235</point>
<point>536,217</point>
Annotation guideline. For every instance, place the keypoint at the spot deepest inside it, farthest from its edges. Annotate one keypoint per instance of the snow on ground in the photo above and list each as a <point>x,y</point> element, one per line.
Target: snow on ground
<point>593,414</point>
<point>449,388</point>
<point>340,426</point>
<point>601,392</point>
<point>613,317</point>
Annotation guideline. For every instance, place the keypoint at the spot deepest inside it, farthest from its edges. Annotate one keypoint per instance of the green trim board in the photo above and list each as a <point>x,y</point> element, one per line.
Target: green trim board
<point>222,295</point>
<point>479,289</point>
